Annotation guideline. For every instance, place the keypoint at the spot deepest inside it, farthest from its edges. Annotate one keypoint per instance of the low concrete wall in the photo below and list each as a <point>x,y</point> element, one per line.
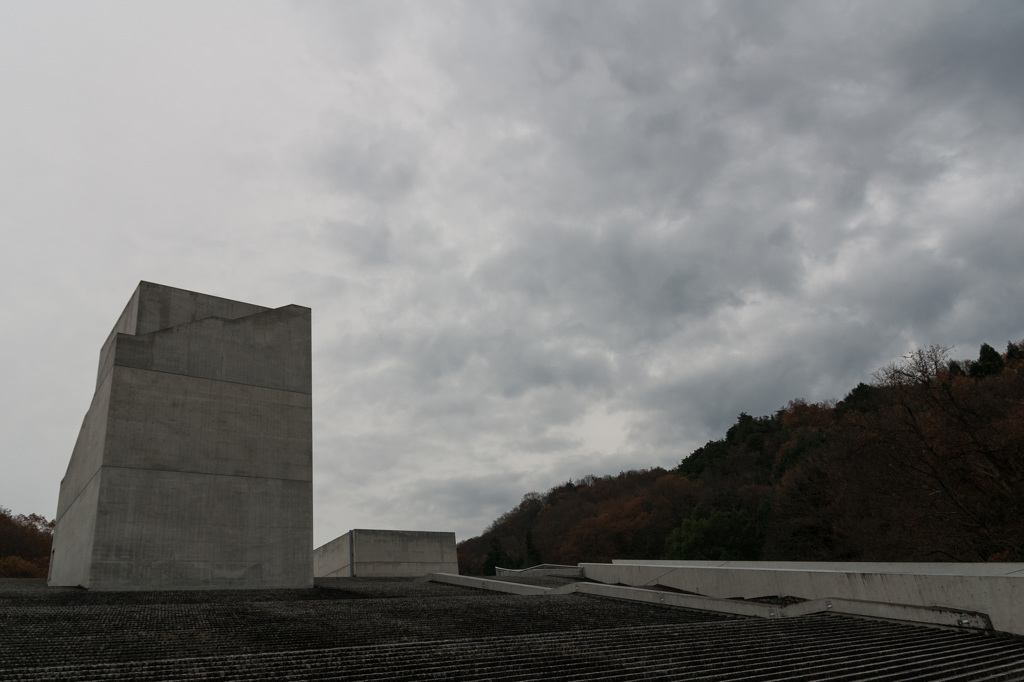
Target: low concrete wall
<point>541,570</point>
<point>993,589</point>
<point>488,584</point>
<point>935,568</point>
<point>915,614</point>
<point>334,560</point>
<point>363,553</point>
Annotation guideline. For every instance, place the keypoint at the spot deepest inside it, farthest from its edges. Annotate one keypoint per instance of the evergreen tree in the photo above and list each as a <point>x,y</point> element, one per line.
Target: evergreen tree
<point>532,553</point>
<point>496,557</point>
<point>1014,352</point>
<point>990,363</point>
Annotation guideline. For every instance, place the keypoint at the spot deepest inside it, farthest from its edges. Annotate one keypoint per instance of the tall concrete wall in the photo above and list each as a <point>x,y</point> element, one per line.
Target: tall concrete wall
<point>193,467</point>
<point>363,553</point>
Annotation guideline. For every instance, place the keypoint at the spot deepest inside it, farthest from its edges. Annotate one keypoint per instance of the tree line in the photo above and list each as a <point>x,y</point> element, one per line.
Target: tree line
<point>24,545</point>
<point>925,463</point>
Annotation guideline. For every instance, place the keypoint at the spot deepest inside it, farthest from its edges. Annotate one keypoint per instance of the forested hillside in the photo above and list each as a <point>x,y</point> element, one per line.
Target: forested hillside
<point>24,545</point>
<point>924,464</point>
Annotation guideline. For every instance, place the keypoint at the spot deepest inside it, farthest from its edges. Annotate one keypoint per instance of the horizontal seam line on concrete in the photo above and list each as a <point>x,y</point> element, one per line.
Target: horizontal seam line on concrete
<point>100,380</point>
<point>207,473</point>
<point>78,494</point>
<point>193,376</point>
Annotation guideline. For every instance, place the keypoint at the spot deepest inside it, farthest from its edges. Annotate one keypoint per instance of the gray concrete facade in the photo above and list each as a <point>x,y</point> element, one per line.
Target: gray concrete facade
<point>193,466</point>
<point>363,553</point>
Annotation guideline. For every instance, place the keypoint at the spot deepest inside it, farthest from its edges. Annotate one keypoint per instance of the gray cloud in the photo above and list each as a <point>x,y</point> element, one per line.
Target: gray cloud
<point>539,239</point>
<point>367,244</point>
<point>380,170</point>
<point>968,56</point>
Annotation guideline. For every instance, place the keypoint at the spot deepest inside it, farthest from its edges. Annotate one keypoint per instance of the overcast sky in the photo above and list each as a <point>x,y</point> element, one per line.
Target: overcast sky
<point>540,239</point>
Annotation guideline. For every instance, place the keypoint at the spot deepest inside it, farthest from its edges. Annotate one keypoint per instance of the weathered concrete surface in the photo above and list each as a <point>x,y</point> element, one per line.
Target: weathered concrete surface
<point>974,590</point>
<point>258,350</point>
<point>153,307</point>
<point>367,553</point>
<point>334,559</point>
<point>945,617</point>
<point>193,468</point>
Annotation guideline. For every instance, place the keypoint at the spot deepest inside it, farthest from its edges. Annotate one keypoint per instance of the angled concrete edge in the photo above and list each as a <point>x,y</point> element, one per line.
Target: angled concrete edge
<point>930,615</point>
<point>543,570</point>
<point>686,601</point>
<point>994,590</point>
<point>486,584</point>
<point>848,607</point>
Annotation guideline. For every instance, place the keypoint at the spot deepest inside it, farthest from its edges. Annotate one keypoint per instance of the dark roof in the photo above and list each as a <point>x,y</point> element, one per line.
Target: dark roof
<point>401,629</point>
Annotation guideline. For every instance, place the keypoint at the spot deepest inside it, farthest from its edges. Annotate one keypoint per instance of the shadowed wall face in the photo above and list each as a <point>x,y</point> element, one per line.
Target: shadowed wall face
<point>193,467</point>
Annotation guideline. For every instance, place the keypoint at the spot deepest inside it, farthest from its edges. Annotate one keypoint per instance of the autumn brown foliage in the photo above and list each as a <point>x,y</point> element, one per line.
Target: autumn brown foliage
<point>24,545</point>
<point>924,464</point>
<point>594,519</point>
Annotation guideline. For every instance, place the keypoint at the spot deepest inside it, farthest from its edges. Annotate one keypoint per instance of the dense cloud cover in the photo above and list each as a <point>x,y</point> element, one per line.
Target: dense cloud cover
<point>539,239</point>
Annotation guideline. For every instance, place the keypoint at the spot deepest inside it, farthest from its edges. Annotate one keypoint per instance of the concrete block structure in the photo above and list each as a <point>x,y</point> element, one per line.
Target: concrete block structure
<point>193,466</point>
<point>366,553</point>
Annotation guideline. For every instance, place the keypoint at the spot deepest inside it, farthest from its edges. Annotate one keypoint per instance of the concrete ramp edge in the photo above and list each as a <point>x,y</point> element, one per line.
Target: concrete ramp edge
<point>933,616</point>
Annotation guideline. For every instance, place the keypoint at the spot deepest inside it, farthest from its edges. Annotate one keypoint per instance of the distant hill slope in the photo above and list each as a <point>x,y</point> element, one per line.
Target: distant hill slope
<point>924,464</point>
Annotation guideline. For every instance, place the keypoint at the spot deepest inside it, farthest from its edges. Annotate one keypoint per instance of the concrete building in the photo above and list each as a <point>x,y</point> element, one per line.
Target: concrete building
<point>193,466</point>
<point>365,553</point>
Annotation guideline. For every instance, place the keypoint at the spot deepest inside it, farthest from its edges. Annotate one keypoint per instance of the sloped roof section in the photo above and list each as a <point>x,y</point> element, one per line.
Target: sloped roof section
<point>394,629</point>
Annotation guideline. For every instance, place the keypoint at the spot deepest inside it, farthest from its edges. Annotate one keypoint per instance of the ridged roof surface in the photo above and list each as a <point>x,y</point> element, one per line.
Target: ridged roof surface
<point>362,629</point>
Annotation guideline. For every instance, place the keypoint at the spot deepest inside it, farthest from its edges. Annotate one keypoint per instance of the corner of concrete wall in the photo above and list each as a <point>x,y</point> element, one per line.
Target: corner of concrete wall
<point>125,324</point>
<point>73,538</point>
<point>334,559</point>
<point>87,455</point>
